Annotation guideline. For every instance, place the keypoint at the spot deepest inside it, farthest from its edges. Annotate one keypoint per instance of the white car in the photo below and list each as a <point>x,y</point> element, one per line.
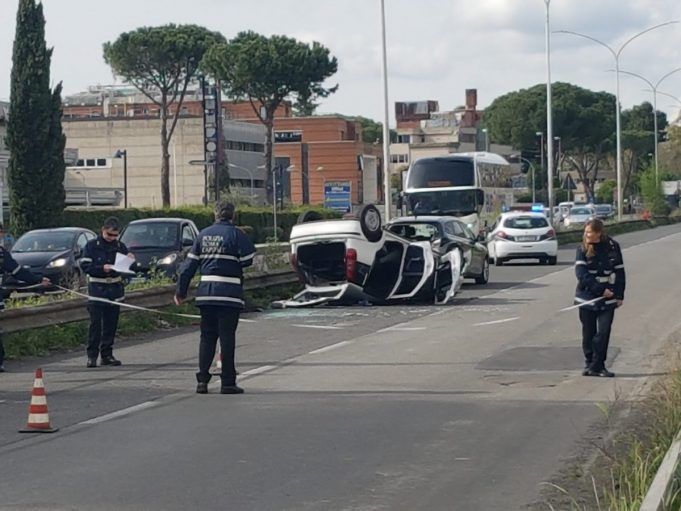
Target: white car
<point>579,215</point>
<point>356,258</point>
<point>522,235</point>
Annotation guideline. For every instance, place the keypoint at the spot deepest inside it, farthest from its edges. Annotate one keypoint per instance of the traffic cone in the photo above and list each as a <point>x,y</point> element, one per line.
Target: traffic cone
<point>38,417</point>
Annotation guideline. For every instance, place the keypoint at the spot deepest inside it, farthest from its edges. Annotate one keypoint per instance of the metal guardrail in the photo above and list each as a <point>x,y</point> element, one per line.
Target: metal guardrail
<point>658,494</point>
<point>68,311</point>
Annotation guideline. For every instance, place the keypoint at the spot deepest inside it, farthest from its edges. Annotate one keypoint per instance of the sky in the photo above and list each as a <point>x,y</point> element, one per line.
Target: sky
<point>435,48</point>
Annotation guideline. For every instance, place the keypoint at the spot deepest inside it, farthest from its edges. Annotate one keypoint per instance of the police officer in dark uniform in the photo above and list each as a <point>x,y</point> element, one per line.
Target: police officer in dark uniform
<point>600,288</point>
<point>220,251</point>
<point>9,265</point>
<point>97,262</point>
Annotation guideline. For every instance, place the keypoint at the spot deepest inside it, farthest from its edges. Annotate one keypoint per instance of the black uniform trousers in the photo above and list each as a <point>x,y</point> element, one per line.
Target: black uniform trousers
<point>103,325</point>
<point>596,325</point>
<point>218,322</point>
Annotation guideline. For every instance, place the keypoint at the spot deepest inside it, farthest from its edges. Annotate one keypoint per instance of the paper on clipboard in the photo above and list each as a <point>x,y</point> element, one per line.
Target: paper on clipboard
<point>122,264</point>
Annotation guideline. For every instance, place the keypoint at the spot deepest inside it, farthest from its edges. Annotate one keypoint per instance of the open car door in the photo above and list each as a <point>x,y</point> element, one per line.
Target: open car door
<point>448,276</point>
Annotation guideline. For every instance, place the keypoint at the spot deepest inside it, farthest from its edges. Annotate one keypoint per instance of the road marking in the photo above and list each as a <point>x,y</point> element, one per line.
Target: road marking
<point>257,370</point>
<point>329,348</point>
<point>120,413</point>
<point>242,320</point>
<point>402,328</point>
<point>319,327</point>
<point>497,321</point>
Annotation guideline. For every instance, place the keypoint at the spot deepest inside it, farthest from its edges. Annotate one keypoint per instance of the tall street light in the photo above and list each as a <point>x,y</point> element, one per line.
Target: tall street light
<point>549,112</point>
<point>653,88</point>
<point>124,154</point>
<point>532,170</point>
<point>540,134</point>
<point>616,55</point>
<point>484,130</point>
<point>386,128</point>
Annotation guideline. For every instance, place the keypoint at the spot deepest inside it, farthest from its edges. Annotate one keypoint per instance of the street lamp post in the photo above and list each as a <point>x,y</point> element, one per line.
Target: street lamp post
<point>653,88</point>
<point>616,55</point>
<point>678,102</point>
<point>531,170</point>
<point>124,154</point>
<point>549,113</point>
<point>274,196</point>
<point>484,130</point>
<point>386,128</point>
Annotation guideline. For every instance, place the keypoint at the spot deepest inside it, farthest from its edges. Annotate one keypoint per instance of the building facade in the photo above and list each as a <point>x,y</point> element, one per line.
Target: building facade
<point>94,176</point>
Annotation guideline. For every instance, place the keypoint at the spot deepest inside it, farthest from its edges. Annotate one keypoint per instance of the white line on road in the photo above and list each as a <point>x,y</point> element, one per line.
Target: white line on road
<point>497,321</point>
<point>242,320</point>
<point>402,329</point>
<point>257,370</point>
<point>120,413</point>
<point>329,348</point>
<point>320,327</point>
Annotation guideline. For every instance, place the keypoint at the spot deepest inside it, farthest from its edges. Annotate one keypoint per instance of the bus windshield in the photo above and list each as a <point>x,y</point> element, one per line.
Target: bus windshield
<point>441,173</point>
<point>445,202</point>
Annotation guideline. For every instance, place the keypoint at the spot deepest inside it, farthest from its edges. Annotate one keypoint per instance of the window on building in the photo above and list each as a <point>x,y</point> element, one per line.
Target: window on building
<point>235,145</point>
<point>403,139</point>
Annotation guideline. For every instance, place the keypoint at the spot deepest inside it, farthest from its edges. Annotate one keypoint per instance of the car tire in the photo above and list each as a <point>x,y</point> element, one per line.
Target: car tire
<point>499,261</point>
<point>483,278</point>
<point>553,260</point>
<point>309,216</point>
<point>370,223</point>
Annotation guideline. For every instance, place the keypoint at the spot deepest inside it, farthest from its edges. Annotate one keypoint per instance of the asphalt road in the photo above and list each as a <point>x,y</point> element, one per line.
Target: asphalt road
<point>468,406</point>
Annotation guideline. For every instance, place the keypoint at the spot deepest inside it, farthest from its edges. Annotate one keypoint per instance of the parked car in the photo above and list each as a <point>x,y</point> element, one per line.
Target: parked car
<point>53,253</point>
<point>517,235</point>
<point>159,243</point>
<point>579,215</point>
<point>356,258</point>
<point>604,211</point>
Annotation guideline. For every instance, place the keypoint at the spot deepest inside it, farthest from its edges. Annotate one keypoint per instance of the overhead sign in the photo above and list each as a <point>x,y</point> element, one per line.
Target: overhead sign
<point>338,195</point>
<point>288,136</point>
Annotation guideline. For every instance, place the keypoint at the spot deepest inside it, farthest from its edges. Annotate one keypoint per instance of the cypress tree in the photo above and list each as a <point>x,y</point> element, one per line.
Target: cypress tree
<point>34,133</point>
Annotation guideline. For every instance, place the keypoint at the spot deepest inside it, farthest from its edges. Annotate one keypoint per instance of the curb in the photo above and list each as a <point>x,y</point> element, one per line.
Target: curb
<point>658,493</point>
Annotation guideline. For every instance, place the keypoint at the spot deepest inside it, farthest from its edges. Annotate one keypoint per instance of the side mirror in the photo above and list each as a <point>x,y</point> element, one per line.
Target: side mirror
<point>187,242</point>
<point>77,252</point>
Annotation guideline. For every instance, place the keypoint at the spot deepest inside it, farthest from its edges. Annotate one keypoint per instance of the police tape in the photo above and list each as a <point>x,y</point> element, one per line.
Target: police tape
<point>128,305</point>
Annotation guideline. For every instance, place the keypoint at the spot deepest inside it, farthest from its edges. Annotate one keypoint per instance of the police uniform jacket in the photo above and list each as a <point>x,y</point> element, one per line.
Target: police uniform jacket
<point>9,265</point>
<point>605,270</point>
<point>96,254</point>
<point>219,252</point>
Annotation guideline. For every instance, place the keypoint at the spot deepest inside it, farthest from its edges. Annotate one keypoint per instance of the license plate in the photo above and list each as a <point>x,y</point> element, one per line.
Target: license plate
<point>526,238</point>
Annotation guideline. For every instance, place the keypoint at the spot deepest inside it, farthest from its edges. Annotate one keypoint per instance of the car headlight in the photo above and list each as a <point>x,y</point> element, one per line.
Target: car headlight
<point>57,263</point>
<point>169,259</point>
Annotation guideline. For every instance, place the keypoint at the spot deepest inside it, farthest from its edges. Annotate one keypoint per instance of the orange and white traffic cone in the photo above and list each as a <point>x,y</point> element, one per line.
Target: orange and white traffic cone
<point>38,417</point>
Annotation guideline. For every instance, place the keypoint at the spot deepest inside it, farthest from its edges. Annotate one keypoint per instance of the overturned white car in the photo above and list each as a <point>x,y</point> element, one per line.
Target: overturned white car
<point>419,258</point>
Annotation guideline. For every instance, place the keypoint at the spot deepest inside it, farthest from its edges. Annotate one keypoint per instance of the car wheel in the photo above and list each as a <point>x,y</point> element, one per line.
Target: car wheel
<point>499,261</point>
<point>483,278</point>
<point>309,216</point>
<point>370,222</point>
<point>71,279</point>
<point>553,260</point>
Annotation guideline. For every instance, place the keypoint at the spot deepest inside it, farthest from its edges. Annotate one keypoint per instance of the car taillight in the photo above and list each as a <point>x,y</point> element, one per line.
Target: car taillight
<point>503,236</point>
<point>550,234</point>
<point>351,264</point>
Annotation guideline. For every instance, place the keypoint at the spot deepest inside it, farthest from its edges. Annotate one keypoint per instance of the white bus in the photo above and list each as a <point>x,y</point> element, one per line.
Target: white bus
<point>459,184</point>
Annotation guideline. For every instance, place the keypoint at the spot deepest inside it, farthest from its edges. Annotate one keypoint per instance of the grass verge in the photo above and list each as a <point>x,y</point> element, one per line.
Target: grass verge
<point>43,341</point>
<point>628,460</point>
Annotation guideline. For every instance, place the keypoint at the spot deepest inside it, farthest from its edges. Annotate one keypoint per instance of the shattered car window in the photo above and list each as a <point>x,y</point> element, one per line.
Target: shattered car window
<point>416,231</point>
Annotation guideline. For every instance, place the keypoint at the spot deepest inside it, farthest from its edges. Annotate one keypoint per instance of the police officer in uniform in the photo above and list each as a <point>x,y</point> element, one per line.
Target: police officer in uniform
<point>220,252</point>
<point>9,265</point>
<point>97,262</point>
<point>600,288</point>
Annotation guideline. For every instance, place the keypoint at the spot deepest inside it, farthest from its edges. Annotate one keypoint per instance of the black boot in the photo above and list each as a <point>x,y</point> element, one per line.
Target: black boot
<point>110,360</point>
<point>202,388</point>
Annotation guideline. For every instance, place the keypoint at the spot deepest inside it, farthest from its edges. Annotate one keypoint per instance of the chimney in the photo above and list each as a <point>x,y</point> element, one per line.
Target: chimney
<point>471,99</point>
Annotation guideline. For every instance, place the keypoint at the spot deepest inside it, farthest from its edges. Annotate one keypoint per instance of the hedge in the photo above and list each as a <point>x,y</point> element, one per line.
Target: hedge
<point>258,221</point>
